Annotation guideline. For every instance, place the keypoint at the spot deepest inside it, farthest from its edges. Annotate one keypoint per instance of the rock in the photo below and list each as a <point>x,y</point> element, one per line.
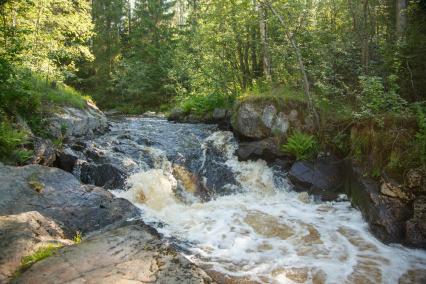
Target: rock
<point>385,215</point>
<point>262,119</point>
<point>72,122</point>
<point>414,178</point>
<point>420,208</point>
<point>66,160</point>
<point>23,234</point>
<point>219,114</point>
<point>105,175</point>
<point>125,253</point>
<point>44,152</point>
<point>416,227</point>
<point>415,234</point>
<point>176,114</point>
<point>394,190</point>
<point>266,149</point>
<point>324,177</point>
<point>251,121</point>
<point>59,196</point>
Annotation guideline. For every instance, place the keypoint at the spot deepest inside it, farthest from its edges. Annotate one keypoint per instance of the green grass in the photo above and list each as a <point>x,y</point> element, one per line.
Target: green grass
<point>38,255</point>
<point>58,93</point>
<point>30,98</point>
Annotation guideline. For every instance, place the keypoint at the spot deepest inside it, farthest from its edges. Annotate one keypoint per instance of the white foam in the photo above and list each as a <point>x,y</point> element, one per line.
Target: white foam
<point>268,234</point>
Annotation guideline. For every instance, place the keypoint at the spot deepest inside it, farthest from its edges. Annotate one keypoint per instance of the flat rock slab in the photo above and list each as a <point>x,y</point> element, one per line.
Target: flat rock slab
<point>130,252</point>
<point>21,235</point>
<point>59,196</point>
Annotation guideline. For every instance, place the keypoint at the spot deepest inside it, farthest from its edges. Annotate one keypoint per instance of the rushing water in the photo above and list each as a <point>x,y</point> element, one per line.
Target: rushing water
<point>241,218</point>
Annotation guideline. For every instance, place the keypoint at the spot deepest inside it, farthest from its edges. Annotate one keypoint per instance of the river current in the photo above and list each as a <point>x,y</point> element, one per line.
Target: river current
<point>242,219</point>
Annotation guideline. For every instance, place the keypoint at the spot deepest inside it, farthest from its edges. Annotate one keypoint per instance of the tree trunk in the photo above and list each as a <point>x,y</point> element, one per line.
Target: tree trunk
<point>266,57</point>
<point>401,17</point>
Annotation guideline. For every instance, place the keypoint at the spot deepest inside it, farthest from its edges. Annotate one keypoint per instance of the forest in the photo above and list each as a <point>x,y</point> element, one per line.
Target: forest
<point>350,59</point>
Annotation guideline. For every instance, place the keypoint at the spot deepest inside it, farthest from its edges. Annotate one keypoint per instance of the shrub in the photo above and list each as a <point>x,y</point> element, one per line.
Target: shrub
<point>10,141</point>
<point>302,146</point>
<point>375,99</point>
<point>201,104</point>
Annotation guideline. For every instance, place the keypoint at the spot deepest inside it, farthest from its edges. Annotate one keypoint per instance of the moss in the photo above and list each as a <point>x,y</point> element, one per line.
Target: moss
<point>35,184</point>
<point>38,255</point>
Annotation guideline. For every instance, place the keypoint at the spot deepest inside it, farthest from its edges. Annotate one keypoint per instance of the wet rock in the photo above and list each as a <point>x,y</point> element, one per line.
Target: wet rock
<point>72,122</point>
<point>59,196</point>
<point>385,215</point>
<point>324,177</point>
<point>266,149</point>
<point>105,175</point>
<point>415,234</point>
<point>21,235</point>
<point>129,252</point>
<point>44,152</point>
<point>176,114</point>
<point>416,227</point>
<point>66,160</point>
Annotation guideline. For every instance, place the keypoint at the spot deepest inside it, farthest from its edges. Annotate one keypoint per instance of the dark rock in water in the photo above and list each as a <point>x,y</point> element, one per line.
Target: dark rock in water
<point>44,152</point>
<point>105,175</point>
<point>21,235</point>
<point>176,114</point>
<point>266,149</point>
<point>127,252</point>
<point>59,196</point>
<point>416,227</point>
<point>385,215</point>
<point>324,177</point>
<point>415,234</point>
<point>66,160</point>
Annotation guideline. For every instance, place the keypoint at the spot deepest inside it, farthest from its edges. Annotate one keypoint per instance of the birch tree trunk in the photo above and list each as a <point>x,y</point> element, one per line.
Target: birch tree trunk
<point>266,57</point>
<point>301,64</point>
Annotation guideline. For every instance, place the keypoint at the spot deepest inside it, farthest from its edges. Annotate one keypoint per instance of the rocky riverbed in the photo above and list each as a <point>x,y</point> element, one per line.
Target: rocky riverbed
<point>158,201</point>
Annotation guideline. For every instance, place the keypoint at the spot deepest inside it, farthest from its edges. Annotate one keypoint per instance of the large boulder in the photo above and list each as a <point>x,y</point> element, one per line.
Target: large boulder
<point>259,119</point>
<point>323,177</point>
<point>59,196</point>
<point>21,235</point>
<point>72,122</point>
<point>386,216</point>
<point>124,253</point>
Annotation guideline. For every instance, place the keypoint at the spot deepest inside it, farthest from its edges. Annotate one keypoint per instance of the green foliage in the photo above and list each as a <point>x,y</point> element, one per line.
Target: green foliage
<point>199,104</point>
<point>375,100</point>
<point>302,146</point>
<point>11,141</point>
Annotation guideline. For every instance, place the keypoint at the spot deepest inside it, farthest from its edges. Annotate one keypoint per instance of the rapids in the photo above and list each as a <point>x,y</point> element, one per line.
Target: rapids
<point>242,219</point>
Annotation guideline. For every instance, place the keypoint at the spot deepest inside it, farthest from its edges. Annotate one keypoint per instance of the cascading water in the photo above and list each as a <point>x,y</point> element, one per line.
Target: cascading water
<point>242,219</point>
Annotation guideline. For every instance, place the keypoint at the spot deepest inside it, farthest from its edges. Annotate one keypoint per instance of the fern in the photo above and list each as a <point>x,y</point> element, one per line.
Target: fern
<point>302,146</point>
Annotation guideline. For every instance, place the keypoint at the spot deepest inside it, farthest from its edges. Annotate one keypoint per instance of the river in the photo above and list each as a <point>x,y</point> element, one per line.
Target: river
<point>242,219</point>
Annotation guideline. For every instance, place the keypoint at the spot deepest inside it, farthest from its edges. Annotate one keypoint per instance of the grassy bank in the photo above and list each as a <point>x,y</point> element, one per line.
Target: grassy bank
<point>26,101</point>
